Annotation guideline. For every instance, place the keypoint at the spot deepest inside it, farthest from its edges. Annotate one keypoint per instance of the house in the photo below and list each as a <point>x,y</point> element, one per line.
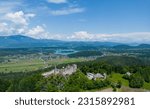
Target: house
<point>128,73</point>
<point>90,76</point>
<point>95,76</point>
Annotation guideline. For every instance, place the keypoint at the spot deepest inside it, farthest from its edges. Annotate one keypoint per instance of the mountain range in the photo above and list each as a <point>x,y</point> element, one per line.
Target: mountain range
<point>20,41</point>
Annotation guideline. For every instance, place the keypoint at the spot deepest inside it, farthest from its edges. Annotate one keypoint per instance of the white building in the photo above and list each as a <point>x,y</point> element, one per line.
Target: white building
<point>128,73</point>
<point>69,70</point>
<point>95,76</point>
<point>90,76</point>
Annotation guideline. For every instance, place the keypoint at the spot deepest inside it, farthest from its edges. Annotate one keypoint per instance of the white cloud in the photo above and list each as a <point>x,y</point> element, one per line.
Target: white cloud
<point>18,23</point>
<point>19,17</point>
<point>37,32</point>
<point>67,11</point>
<point>30,15</point>
<point>9,29</point>
<point>4,28</point>
<point>40,32</point>
<point>57,1</point>
<point>82,35</point>
<point>124,37</point>
<point>135,37</point>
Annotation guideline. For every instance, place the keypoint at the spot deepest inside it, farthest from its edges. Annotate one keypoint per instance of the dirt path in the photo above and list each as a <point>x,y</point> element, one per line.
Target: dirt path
<point>107,90</point>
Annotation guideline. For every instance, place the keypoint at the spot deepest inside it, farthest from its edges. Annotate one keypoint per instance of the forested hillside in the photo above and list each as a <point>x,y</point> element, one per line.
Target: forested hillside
<point>138,76</point>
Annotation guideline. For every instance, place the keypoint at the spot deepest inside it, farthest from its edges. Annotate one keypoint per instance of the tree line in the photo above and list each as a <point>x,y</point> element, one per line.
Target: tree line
<point>34,81</point>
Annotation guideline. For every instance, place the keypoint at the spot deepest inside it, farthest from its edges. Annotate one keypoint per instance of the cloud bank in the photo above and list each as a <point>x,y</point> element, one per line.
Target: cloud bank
<point>134,37</point>
<point>19,23</point>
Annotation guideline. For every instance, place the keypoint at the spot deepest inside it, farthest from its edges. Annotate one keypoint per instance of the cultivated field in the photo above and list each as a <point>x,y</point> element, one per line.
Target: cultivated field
<point>25,65</point>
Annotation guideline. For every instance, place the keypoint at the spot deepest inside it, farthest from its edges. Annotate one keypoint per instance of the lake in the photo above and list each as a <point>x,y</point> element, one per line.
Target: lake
<point>65,51</point>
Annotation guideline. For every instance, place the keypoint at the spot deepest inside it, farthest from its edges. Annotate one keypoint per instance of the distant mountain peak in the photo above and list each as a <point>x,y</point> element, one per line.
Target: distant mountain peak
<point>21,41</point>
<point>144,45</point>
<point>19,37</point>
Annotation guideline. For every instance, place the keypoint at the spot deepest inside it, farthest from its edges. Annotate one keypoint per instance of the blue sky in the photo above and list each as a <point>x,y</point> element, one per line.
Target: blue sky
<point>101,20</point>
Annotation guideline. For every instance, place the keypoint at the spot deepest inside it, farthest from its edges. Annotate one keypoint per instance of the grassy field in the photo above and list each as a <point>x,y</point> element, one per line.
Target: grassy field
<point>21,66</point>
<point>65,60</point>
<point>128,89</point>
<point>125,84</point>
<point>146,86</point>
<point>115,77</point>
<point>34,64</point>
<point>123,89</point>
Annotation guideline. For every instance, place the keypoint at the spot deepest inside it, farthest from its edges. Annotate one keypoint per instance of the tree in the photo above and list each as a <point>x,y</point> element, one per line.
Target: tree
<point>54,83</point>
<point>113,85</point>
<point>77,82</point>
<point>28,84</point>
<point>4,84</point>
<point>13,85</point>
<point>119,84</point>
<point>136,81</point>
<point>145,73</point>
